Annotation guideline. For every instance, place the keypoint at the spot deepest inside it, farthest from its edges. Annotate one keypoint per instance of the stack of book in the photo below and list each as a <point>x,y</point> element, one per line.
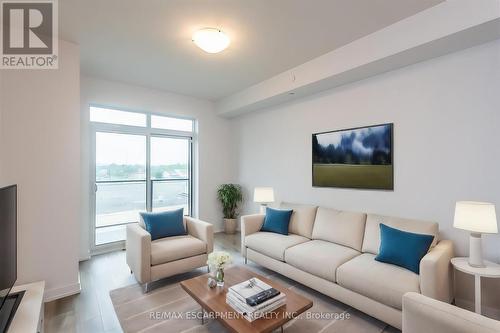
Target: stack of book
<point>254,299</point>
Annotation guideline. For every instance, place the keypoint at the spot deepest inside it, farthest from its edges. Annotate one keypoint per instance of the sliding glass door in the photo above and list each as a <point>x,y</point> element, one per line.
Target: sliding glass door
<point>120,185</point>
<point>138,168</point>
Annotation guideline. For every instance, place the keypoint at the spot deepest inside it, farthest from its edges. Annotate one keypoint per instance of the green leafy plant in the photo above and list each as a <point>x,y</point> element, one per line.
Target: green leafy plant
<point>229,195</point>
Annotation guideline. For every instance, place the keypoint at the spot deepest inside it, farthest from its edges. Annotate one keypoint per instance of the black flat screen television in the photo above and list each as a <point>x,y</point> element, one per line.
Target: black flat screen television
<point>8,241</point>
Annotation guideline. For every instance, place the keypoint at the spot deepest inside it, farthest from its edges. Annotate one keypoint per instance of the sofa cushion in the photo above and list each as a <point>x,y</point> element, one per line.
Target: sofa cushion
<point>402,248</point>
<point>379,281</point>
<point>143,225</point>
<point>164,224</point>
<point>277,220</point>
<point>174,248</point>
<point>371,241</point>
<point>341,227</point>
<point>271,244</point>
<point>319,257</point>
<point>302,220</point>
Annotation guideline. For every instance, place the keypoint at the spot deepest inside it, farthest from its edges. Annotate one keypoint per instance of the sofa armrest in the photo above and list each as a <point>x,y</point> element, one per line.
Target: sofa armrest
<point>423,314</point>
<point>436,272</point>
<point>138,245</point>
<point>202,230</point>
<point>250,224</point>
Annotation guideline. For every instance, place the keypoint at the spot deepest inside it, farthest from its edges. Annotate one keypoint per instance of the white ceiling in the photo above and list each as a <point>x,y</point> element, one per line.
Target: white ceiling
<point>149,42</point>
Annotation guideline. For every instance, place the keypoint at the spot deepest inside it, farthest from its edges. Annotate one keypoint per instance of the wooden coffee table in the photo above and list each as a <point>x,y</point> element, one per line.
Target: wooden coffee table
<point>214,301</point>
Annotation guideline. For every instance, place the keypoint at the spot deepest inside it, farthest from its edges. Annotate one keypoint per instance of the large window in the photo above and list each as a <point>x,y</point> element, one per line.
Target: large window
<point>170,173</point>
<point>111,116</point>
<point>170,123</point>
<point>143,162</point>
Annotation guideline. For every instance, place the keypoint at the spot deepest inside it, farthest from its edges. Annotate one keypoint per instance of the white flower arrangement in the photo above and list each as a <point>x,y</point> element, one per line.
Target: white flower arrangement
<point>219,259</point>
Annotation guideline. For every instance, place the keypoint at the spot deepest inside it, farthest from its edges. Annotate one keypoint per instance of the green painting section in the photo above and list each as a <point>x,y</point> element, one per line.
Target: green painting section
<point>353,176</point>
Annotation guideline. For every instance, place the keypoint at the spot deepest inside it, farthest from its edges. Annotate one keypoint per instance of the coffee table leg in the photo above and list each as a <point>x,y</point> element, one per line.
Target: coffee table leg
<point>202,316</point>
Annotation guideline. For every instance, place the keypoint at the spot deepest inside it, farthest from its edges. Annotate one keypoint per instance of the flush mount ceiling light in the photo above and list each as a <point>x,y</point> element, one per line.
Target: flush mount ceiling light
<point>211,40</point>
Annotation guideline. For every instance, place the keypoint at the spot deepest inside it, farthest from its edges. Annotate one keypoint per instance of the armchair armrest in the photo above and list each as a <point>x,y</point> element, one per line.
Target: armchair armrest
<point>423,314</point>
<point>202,230</point>
<point>138,245</point>
<point>436,272</point>
<point>250,224</point>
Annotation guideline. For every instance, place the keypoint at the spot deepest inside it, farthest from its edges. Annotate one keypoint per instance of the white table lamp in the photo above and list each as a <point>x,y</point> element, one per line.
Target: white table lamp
<point>478,218</point>
<point>264,196</point>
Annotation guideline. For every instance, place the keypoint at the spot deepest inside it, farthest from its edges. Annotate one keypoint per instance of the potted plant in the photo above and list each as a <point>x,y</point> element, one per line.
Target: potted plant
<point>230,196</point>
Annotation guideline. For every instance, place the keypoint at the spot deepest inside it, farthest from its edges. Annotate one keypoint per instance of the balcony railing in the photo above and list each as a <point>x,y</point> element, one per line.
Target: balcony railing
<point>119,202</point>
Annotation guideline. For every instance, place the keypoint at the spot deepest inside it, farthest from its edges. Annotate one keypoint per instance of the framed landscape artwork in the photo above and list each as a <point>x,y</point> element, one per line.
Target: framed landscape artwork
<point>359,158</point>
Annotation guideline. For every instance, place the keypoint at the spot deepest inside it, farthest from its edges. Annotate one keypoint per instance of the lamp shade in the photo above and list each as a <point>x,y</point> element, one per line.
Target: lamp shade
<point>263,194</point>
<point>477,217</point>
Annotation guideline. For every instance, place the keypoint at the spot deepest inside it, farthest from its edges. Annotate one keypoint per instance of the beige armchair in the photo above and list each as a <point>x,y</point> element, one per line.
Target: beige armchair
<point>424,314</point>
<point>153,260</point>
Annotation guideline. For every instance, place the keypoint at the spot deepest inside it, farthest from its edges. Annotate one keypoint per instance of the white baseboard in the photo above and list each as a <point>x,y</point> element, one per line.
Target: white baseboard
<point>487,311</point>
<point>60,292</point>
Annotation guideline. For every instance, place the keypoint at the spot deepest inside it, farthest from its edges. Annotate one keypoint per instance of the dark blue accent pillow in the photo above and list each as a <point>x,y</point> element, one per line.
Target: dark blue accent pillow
<point>277,220</point>
<point>403,248</point>
<point>164,224</point>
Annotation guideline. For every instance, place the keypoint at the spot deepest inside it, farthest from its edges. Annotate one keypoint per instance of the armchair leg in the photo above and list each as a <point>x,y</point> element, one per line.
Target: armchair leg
<point>146,288</point>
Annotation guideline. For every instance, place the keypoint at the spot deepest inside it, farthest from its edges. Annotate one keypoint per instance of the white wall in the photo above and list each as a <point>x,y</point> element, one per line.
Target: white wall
<point>215,163</point>
<point>446,114</point>
<point>41,153</point>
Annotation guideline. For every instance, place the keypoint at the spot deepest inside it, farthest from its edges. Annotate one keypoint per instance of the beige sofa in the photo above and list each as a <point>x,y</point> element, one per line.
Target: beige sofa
<point>153,260</point>
<point>424,314</point>
<point>333,252</point>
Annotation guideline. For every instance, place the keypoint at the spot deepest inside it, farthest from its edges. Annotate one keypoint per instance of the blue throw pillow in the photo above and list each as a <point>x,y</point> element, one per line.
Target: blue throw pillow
<point>164,224</point>
<point>277,220</point>
<point>403,248</point>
